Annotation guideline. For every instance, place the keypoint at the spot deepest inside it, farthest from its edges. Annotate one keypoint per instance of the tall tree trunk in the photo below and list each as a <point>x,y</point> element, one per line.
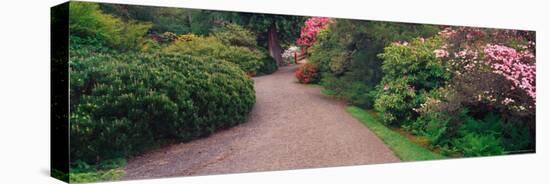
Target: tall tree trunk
<point>274,46</point>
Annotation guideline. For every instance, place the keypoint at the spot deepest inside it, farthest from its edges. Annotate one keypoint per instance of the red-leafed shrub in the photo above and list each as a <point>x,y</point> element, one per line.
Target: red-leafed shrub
<point>307,74</point>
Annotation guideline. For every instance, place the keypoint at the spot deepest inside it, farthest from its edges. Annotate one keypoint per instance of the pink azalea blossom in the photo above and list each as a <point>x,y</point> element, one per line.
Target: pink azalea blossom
<point>310,29</point>
<point>517,67</point>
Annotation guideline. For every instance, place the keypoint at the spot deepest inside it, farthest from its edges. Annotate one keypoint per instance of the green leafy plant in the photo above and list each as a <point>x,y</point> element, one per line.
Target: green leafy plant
<point>473,144</point>
<point>480,137</point>
<point>124,103</point>
<point>411,70</point>
<point>347,51</point>
<point>86,20</point>
<point>268,66</point>
<point>236,35</point>
<point>516,138</point>
<point>211,47</point>
<point>356,93</point>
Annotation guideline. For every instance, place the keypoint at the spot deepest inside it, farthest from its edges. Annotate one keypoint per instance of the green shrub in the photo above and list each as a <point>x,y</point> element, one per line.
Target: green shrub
<point>396,101</point>
<point>356,93</point>
<point>348,51</point>
<point>432,124</point>
<point>479,137</point>
<point>268,66</point>
<point>473,144</point>
<point>247,59</point>
<point>470,136</point>
<point>86,20</point>
<point>336,87</point>
<point>124,103</point>
<point>445,121</point>
<point>233,34</point>
<point>516,137</point>
<point>490,124</point>
<point>410,72</point>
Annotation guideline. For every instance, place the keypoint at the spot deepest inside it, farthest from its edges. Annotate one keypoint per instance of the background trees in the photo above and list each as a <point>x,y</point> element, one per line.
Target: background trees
<point>87,21</point>
<point>273,31</point>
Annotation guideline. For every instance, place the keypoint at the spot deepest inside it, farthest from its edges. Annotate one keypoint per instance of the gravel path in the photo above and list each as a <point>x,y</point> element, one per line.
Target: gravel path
<point>292,126</point>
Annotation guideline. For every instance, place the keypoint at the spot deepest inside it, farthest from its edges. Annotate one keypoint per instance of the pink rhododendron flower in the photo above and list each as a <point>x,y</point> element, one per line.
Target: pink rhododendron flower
<point>517,67</point>
<point>310,29</point>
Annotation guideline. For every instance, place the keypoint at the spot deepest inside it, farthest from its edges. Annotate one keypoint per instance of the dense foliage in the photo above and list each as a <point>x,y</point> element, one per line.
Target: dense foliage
<point>492,88</point>
<point>174,20</point>
<point>124,103</point>
<point>272,31</point>
<point>268,66</point>
<point>468,91</point>
<point>236,35</point>
<point>233,34</point>
<point>347,50</point>
<point>287,27</point>
<point>411,71</point>
<point>88,21</point>
<point>200,46</point>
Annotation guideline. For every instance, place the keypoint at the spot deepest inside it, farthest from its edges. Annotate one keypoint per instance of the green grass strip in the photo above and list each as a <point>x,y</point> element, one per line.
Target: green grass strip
<point>405,149</point>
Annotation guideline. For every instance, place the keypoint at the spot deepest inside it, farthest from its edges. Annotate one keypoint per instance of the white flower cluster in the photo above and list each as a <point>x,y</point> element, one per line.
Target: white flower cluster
<point>288,55</point>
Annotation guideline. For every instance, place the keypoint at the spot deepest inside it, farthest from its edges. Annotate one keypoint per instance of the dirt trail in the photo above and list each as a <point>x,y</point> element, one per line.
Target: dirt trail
<point>292,126</point>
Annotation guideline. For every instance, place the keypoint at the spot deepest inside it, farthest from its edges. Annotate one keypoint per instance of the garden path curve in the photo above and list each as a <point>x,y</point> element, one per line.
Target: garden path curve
<point>291,126</point>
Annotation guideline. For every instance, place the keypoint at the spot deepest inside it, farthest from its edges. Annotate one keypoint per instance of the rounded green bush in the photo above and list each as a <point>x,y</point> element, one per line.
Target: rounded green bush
<point>269,66</point>
<point>200,46</point>
<point>122,104</point>
<point>411,71</point>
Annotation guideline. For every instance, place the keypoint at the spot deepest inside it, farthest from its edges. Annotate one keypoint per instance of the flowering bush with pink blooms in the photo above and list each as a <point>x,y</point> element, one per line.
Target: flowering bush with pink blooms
<point>469,91</point>
<point>309,31</point>
<point>506,55</point>
<point>493,88</point>
<point>518,67</point>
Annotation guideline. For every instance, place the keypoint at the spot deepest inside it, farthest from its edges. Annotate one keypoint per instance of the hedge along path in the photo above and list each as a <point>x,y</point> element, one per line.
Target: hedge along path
<point>292,126</point>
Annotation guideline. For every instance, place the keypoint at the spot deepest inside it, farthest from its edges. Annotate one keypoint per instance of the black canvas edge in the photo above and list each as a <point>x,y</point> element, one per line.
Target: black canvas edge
<point>59,92</point>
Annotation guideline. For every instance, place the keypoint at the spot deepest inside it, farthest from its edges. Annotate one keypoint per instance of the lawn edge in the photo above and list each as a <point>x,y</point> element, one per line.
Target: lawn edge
<point>402,147</point>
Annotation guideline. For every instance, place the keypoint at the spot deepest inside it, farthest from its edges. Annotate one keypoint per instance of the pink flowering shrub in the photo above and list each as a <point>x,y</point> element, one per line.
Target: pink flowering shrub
<point>309,31</point>
<point>493,82</point>
<point>517,67</point>
<point>471,52</point>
